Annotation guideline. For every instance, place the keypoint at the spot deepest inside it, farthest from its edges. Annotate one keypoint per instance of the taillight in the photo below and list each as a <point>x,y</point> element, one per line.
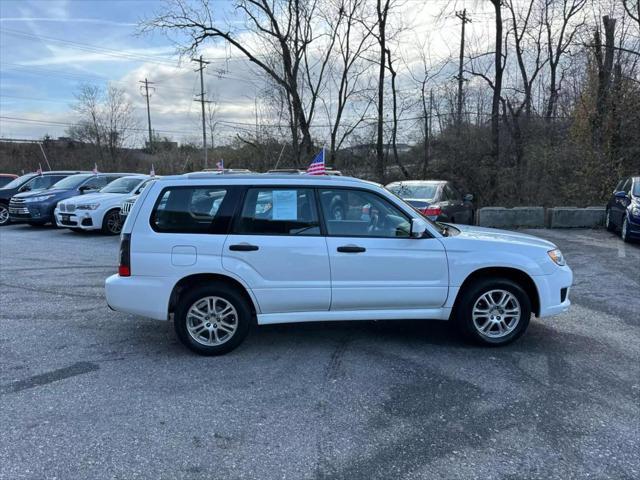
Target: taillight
<point>430,211</point>
<point>124,269</point>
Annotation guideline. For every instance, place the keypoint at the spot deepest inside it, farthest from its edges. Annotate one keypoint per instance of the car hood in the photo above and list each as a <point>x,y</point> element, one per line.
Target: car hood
<point>38,193</point>
<point>97,197</point>
<point>495,235</point>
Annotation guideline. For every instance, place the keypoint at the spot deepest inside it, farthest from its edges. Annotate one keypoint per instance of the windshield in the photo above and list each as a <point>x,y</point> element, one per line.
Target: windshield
<point>636,187</point>
<point>122,185</point>
<point>16,182</point>
<point>422,192</point>
<point>73,181</point>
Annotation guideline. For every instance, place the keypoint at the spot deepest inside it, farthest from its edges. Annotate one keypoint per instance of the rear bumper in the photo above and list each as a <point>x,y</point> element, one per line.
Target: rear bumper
<point>145,296</point>
<point>550,291</point>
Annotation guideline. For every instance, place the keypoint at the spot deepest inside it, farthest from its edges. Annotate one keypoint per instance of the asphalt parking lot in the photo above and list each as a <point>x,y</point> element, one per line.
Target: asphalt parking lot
<point>90,393</point>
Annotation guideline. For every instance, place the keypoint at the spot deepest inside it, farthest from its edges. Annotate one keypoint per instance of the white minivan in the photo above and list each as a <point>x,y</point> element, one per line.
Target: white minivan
<point>220,252</point>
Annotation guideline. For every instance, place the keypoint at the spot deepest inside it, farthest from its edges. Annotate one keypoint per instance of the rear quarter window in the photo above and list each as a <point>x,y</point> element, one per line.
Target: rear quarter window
<point>192,210</point>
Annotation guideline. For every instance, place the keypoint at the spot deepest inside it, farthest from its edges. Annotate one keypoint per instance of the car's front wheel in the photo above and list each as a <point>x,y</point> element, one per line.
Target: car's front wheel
<point>112,223</point>
<point>624,231</point>
<point>493,311</point>
<point>212,319</point>
<point>607,221</point>
<point>4,215</point>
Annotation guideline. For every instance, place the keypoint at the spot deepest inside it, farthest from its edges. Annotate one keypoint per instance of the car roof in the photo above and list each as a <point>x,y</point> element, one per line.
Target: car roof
<point>267,178</point>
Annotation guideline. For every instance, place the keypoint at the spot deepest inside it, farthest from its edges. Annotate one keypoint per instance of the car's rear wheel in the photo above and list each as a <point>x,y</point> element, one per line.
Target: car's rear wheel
<point>607,221</point>
<point>4,215</point>
<point>212,319</point>
<point>624,231</point>
<point>112,223</point>
<point>493,311</point>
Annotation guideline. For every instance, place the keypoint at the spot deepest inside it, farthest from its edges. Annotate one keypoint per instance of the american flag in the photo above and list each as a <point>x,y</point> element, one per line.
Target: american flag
<point>316,167</point>
<point>95,169</point>
<point>39,171</point>
<point>220,165</point>
<point>152,173</point>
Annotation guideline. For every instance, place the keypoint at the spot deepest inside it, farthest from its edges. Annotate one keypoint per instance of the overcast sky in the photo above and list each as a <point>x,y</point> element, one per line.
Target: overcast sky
<point>50,47</point>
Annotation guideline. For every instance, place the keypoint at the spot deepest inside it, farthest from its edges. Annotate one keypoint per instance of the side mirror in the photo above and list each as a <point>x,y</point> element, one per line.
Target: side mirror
<point>25,188</point>
<point>468,198</point>
<point>620,194</point>
<point>85,188</point>
<point>418,227</point>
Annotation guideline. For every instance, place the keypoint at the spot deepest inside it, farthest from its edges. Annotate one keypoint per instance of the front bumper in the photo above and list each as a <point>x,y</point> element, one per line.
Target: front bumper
<point>30,213</point>
<point>82,219</point>
<point>553,291</point>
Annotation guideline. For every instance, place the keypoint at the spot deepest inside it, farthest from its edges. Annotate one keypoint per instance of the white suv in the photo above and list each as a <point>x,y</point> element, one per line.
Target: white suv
<point>222,251</point>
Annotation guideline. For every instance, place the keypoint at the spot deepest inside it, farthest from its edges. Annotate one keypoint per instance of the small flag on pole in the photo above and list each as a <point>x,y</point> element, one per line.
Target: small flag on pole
<point>316,167</point>
<point>39,171</point>
<point>220,165</point>
<point>95,168</point>
<point>152,173</point>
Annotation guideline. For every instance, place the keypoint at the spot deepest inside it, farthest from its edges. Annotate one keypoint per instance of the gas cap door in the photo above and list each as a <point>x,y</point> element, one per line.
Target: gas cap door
<point>183,256</point>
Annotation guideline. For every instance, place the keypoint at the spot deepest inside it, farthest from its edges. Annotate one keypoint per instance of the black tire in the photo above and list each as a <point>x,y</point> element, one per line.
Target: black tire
<point>608,224</point>
<point>463,312</point>
<point>4,215</point>
<point>226,293</point>
<point>624,230</point>
<point>112,223</point>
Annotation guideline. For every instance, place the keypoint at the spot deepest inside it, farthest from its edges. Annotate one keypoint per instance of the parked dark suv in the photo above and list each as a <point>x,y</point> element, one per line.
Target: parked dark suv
<point>36,208</point>
<point>31,182</point>
<point>623,209</point>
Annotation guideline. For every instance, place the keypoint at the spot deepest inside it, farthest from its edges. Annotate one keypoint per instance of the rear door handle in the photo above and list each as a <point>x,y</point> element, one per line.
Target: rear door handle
<point>243,247</point>
<point>351,249</point>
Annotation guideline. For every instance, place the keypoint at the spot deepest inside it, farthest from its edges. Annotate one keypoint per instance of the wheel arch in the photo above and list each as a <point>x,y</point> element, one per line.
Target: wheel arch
<point>201,278</point>
<point>520,277</point>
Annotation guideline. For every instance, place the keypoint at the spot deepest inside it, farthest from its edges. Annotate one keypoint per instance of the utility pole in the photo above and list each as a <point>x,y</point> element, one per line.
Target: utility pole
<point>463,17</point>
<point>200,69</point>
<point>428,121</point>
<point>145,85</point>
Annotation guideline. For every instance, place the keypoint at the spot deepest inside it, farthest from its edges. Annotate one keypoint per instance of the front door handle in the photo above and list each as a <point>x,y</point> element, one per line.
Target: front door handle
<point>243,247</point>
<point>351,249</point>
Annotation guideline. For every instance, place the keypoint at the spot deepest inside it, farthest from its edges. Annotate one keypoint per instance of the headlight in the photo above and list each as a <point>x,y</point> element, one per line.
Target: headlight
<point>40,198</point>
<point>557,257</point>
<point>87,206</point>
<point>635,211</point>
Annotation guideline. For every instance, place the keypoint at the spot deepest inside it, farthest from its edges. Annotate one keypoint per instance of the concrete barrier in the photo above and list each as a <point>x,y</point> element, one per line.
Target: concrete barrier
<point>572,217</point>
<point>500,217</point>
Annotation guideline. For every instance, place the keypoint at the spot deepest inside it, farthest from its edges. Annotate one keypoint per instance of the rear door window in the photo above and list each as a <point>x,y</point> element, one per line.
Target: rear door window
<point>278,211</point>
<point>192,210</point>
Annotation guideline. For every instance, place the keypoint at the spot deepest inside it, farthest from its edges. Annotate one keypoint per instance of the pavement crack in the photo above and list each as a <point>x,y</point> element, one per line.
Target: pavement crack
<point>78,368</point>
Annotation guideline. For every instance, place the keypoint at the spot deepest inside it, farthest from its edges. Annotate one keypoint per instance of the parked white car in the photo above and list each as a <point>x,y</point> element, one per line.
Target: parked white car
<point>100,210</point>
<point>219,252</point>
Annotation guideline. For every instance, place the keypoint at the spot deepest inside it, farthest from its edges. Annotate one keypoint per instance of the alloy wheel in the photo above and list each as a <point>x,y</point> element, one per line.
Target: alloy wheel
<point>496,313</point>
<point>212,321</point>
<point>4,215</point>
<point>114,223</point>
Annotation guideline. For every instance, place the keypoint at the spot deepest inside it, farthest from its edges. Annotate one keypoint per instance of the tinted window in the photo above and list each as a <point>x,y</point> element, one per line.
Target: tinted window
<point>188,210</point>
<point>278,211</point>
<point>96,183</point>
<point>122,185</point>
<point>44,181</point>
<point>355,213</point>
<point>636,187</point>
<point>18,181</point>
<point>73,181</point>
<point>451,193</point>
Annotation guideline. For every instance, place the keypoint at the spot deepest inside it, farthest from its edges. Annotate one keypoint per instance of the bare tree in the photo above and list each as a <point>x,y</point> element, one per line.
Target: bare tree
<point>282,28</point>
<point>633,12</point>
<point>560,36</point>
<point>118,120</point>
<point>87,105</point>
